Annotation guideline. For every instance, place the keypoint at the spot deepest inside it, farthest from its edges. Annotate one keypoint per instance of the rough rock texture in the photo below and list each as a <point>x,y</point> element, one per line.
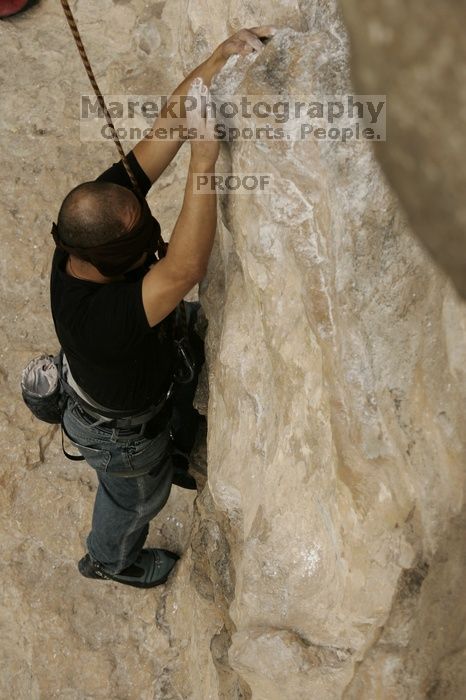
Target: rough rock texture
<point>324,556</point>
<point>416,55</point>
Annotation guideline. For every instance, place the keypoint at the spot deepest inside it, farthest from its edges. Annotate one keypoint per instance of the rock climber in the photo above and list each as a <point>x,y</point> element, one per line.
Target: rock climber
<point>114,307</point>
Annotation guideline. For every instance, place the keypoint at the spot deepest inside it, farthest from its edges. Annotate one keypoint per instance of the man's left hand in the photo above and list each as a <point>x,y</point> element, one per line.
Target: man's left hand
<point>244,42</point>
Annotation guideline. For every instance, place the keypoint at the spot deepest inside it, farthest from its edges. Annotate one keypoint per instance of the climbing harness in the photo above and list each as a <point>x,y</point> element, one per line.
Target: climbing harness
<point>46,385</point>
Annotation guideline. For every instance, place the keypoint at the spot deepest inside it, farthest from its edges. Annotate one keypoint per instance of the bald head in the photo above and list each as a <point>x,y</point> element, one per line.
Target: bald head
<point>95,213</point>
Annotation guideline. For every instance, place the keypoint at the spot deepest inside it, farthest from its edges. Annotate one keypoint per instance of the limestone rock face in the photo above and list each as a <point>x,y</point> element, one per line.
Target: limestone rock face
<point>357,435</point>
<point>417,57</point>
<point>323,556</point>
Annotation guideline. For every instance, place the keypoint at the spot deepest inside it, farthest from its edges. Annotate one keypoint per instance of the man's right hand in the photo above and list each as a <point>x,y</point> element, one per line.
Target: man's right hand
<point>192,239</point>
<point>201,124</point>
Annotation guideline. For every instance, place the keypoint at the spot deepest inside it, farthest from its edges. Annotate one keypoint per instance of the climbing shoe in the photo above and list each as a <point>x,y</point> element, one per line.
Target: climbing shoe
<point>181,477</point>
<point>151,568</point>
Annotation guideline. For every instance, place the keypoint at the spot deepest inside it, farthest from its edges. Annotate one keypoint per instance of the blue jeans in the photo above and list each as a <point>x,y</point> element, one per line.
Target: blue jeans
<point>134,472</point>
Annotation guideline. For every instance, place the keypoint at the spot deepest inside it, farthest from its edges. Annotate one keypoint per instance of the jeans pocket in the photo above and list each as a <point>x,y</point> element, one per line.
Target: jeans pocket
<point>148,453</point>
<point>91,443</point>
<point>98,458</point>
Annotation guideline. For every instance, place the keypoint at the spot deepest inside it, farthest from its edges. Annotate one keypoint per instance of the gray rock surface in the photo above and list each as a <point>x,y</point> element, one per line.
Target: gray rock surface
<point>324,556</point>
<point>416,55</point>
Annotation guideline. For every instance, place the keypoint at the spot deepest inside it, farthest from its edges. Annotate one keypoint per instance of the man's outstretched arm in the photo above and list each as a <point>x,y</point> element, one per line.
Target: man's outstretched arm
<point>154,154</point>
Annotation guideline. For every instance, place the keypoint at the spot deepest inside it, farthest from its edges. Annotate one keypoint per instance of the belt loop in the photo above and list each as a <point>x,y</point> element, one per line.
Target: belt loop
<point>100,421</point>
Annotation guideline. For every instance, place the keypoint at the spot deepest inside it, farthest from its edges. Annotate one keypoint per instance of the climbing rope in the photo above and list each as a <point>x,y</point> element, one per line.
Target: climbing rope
<point>161,245</point>
<point>98,94</point>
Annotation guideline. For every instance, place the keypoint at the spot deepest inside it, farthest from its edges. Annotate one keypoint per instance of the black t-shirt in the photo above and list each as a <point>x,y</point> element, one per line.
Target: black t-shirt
<point>114,354</point>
